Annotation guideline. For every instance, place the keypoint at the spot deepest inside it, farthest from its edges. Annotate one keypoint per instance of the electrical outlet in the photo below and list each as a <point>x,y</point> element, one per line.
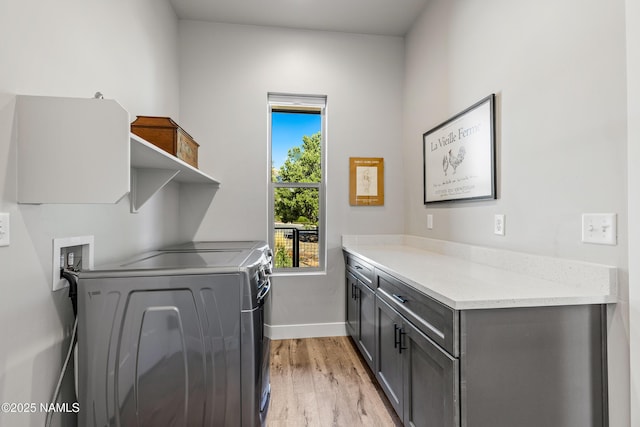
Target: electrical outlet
<point>72,253</point>
<point>430,222</point>
<point>600,229</point>
<point>498,224</point>
<point>5,235</point>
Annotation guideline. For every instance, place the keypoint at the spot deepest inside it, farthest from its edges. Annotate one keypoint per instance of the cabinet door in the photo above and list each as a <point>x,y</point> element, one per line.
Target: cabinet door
<point>388,356</point>
<point>367,299</point>
<point>353,328</point>
<point>431,382</point>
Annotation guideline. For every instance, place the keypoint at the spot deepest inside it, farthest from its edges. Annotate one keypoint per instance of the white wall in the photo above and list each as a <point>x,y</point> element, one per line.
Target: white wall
<point>225,75</point>
<point>633,102</point>
<point>558,70</point>
<point>127,50</point>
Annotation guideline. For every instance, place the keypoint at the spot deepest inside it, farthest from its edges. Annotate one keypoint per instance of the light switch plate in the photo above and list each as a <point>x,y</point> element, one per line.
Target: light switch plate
<point>5,229</point>
<point>430,222</point>
<point>600,229</point>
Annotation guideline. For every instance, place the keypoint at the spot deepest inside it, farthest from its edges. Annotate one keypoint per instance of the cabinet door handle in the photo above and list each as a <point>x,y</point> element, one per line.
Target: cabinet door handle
<point>358,267</point>
<point>401,340</point>
<point>353,291</point>
<point>400,298</point>
<point>395,336</point>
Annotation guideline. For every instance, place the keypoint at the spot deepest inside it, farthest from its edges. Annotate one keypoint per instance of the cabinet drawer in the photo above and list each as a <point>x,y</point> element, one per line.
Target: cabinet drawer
<point>435,320</point>
<point>361,269</point>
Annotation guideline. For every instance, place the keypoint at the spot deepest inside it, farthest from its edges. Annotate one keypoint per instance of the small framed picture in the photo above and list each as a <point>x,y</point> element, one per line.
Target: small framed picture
<point>366,181</point>
<point>459,156</point>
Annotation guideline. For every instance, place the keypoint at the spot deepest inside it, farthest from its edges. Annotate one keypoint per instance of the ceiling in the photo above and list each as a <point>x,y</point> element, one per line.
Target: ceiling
<point>382,17</point>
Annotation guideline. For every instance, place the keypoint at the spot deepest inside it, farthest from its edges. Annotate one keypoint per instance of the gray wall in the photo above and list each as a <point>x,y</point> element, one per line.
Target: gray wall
<point>225,75</point>
<point>127,50</point>
<point>633,144</point>
<point>558,70</point>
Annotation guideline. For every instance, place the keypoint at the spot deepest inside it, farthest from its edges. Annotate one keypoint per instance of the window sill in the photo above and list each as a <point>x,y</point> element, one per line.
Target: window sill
<point>287,273</point>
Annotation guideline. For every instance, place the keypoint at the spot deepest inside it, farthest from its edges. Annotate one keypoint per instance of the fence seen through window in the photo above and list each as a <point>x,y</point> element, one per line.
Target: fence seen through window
<point>296,247</point>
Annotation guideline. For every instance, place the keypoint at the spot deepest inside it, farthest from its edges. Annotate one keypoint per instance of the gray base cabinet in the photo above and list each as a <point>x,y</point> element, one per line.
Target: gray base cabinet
<point>534,366</point>
<point>388,369</point>
<point>419,378</point>
<point>431,382</point>
<point>360,300</point>
<point>439,367</point>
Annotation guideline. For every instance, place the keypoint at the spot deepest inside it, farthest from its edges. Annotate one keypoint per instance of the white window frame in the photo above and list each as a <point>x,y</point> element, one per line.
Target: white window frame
<point>292,102</point>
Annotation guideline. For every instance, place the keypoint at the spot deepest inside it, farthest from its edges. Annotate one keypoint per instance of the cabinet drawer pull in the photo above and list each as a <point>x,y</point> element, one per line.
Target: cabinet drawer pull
<point>400,298</point>
<point>358,267</point>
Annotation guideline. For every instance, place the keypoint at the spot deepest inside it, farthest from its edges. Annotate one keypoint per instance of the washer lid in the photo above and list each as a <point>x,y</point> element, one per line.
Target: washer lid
<point>214,246</point>
<point>176,260</point>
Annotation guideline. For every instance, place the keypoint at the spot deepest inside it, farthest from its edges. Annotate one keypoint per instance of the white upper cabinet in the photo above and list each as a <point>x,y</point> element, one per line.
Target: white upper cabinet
<point>72,150</point>
<point>75,150</point>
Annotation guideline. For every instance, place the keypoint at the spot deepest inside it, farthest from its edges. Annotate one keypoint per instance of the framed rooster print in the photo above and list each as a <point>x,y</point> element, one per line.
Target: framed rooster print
<point>459,156</point>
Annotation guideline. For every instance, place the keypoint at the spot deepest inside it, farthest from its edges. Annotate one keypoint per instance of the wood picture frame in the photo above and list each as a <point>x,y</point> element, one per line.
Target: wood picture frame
<point>459,156</point>
<point>366,181</point>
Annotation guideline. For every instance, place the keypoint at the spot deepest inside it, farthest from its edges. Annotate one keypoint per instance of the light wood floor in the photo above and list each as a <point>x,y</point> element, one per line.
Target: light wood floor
<point>324,382</point>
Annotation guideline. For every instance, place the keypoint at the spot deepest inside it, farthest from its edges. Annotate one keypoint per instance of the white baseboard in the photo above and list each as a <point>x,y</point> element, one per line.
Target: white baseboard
<point>311,330</point>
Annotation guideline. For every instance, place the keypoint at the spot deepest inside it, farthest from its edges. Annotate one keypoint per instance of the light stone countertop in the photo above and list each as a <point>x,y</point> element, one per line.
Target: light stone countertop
<point>471,277</point>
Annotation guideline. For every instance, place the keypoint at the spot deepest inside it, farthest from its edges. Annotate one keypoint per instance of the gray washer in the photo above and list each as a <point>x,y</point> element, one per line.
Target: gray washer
<point>175,337</point>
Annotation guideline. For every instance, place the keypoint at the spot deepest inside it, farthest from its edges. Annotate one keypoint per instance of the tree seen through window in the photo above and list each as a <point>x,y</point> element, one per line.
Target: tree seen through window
<point>296,180</point>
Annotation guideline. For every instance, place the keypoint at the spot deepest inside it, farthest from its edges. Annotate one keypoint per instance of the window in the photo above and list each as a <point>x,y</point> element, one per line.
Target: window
<point>297,185</point>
